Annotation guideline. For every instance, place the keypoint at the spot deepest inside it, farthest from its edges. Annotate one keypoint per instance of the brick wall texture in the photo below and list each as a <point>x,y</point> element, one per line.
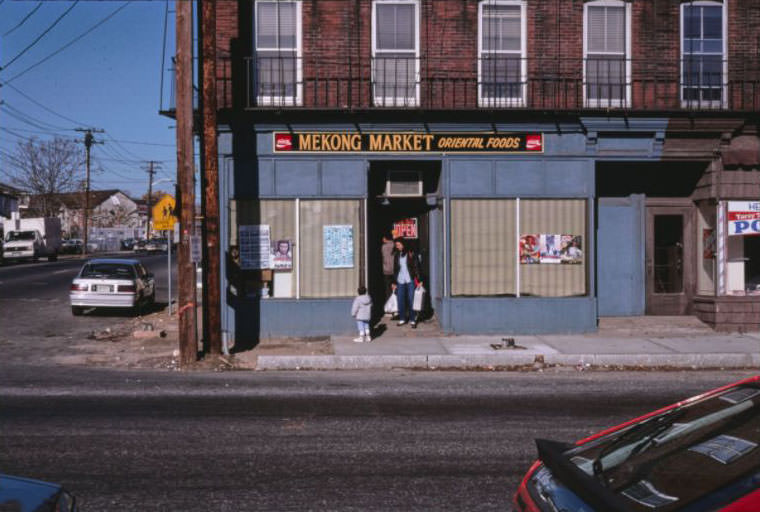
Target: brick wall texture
<point>337,53</point>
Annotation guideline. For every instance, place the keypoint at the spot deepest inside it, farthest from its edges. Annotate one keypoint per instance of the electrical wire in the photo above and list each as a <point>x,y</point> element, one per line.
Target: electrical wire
<point>24,19</point>
<point>42,124</point>
<point>59,50</point>
<point>29,98</point>
<point>44,32</point>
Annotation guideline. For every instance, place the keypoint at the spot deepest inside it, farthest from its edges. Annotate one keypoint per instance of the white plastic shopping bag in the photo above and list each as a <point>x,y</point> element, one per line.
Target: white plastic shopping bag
<point>419,294</point>
<point>391,305</point>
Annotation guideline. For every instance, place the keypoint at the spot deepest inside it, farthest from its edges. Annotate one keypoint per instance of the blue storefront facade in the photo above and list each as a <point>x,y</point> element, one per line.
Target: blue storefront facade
<point>479,213</point>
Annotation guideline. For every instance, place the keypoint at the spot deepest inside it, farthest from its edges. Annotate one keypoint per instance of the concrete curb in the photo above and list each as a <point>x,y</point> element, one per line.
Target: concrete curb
<point>494,361</point>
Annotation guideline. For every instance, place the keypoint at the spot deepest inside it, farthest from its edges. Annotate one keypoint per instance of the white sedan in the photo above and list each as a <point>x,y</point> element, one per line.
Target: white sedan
<point>112,283</point>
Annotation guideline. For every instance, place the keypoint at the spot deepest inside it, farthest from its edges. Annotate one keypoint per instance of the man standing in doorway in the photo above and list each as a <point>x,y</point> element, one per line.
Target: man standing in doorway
<point>387,252</point>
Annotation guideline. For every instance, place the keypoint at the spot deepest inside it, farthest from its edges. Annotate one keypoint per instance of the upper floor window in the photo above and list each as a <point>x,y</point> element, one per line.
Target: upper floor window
<point>501,53</point>
<point>606,47</point>
<point>395,53</point>
<point>703,47</point>
<point>277,73</point>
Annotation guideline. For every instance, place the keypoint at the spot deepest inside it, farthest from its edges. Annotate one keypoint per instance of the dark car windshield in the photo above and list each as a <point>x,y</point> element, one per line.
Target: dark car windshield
<point>108,270</point>
<point>14,236</point>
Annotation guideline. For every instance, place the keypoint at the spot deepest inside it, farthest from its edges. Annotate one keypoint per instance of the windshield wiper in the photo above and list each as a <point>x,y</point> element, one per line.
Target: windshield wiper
<point>639,437</point>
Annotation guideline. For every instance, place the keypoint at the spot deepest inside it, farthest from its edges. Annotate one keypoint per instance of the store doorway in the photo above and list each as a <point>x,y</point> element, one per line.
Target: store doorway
<point>400,194</point>
<point>669,259</point>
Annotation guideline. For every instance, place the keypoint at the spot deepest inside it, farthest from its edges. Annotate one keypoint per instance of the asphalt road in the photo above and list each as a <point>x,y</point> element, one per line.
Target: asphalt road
<point>35,307</point>
<point>307,441</point>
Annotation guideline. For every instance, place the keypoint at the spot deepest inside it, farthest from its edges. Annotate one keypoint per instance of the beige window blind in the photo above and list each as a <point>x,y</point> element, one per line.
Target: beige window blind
<point>483,245</point>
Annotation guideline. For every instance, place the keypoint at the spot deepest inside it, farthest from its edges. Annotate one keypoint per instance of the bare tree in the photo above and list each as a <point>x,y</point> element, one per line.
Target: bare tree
<point>47,167</point>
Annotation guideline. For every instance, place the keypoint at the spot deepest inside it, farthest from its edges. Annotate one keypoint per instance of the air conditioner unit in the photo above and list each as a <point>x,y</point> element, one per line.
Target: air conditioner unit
<point>403,184</point>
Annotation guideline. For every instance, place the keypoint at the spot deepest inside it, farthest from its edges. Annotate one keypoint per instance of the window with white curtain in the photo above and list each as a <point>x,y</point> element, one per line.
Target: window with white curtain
<point>703,46</point>
<point>395,53</point>
<point>501,46</point>
<point>606,53</point>
<point>277,68</point>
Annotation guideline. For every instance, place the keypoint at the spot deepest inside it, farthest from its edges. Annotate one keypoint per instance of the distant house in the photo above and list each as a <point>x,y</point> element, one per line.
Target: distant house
<point>9,201</point>
<point>108,209</point>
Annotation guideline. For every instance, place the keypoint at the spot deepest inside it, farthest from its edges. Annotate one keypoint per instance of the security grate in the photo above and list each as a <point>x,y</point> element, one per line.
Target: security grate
<point>724,448</point>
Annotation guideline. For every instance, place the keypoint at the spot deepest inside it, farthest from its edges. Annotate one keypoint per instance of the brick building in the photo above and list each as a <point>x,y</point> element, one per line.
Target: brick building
<point>552,161</point>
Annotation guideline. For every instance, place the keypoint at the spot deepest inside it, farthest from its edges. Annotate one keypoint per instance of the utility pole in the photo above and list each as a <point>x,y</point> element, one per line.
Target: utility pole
<point>212,324</point>
<point>188,344</point>
<point>153,166</point>
<point>88,141</point>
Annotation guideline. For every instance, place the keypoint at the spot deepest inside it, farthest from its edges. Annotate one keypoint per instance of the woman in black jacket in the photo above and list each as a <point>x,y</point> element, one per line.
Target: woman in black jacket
<point>406,277</point>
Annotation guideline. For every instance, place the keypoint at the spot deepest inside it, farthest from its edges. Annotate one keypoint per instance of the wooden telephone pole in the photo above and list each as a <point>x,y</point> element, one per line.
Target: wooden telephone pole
<point>88,141</point>
<point>188,344</point>
<point>212,330</point>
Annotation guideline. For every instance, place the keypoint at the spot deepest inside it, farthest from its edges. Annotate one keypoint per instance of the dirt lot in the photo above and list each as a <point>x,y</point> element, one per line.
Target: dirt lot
<point>152,341</point>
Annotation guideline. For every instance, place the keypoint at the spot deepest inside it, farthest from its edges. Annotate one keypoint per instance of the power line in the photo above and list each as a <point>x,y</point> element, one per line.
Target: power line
<point>22,93</point>
<point>41,123</point>
<point>40,36</point>
<point>24,20</point>
<point>59,50</point>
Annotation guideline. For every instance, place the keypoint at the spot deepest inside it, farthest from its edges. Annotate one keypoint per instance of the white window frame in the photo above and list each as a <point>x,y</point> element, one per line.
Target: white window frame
<point>723,102</point>
<point>389,101</point>
<point>506,101</point>
<point>597,102</point>
<point>268,100</point>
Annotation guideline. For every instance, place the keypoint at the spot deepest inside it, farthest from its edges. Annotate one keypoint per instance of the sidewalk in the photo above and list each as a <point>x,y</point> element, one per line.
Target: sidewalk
<point>629,343</point>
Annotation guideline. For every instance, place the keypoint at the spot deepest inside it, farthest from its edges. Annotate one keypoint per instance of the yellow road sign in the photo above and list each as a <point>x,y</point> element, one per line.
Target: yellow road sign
<point>163,214</point>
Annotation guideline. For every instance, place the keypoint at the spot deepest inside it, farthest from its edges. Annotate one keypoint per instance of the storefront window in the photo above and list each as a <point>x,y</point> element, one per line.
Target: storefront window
<point>547,257</point>
<point>706,243</point>
<point>553,247</point>
<point>483,247</point>
<point>330,239</point>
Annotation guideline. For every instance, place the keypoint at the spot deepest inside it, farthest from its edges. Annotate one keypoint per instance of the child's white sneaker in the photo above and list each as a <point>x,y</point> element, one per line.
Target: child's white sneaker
<point>360,339</point>
<point>367,338</point>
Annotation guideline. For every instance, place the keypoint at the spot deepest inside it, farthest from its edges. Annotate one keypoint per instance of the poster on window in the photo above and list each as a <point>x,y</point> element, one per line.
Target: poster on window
<point>282,255</point>
<point>254,245</point>
<point>571,249</point>
<point>708,243</point>
<point>529,249</point>
<point>549,248</point>
<point>338,246</point>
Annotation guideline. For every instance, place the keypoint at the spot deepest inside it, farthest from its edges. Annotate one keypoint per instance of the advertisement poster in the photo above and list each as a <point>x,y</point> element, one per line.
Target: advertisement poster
<point>571,249</point>
<point>743,218</point>
<point>282,255</point>
<point>549,247</point>
<point>529,249</point>
<point>406,228</point>
<point>254,244</point>
<point>338,246</point>
<point>708,243</point>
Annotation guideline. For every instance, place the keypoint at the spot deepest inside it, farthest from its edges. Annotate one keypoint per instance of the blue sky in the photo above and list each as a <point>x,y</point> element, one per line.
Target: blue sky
<point>109,79</point>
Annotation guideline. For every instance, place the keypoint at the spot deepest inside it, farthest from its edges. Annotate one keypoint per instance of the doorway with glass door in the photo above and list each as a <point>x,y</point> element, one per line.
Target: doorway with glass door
<point>670,250</point>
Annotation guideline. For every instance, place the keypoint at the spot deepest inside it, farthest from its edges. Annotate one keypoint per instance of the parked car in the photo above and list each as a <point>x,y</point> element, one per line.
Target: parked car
<point>139,245</point>
<point>112,283</point>
<point>26,494</point>
<point>72,246</point>
<point>698,454</point>
<point>127,244</point>
<point>157,245</point>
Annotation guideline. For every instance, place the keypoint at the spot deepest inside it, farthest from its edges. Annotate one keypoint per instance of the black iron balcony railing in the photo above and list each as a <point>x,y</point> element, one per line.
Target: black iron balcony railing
<point>698,83</point>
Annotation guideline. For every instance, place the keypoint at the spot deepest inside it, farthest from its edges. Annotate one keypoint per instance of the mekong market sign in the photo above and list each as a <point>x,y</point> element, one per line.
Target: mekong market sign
<point>406,142</point>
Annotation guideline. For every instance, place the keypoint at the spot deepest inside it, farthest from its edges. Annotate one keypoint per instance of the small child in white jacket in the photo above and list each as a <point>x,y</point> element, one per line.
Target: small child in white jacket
<point>361,309</point>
